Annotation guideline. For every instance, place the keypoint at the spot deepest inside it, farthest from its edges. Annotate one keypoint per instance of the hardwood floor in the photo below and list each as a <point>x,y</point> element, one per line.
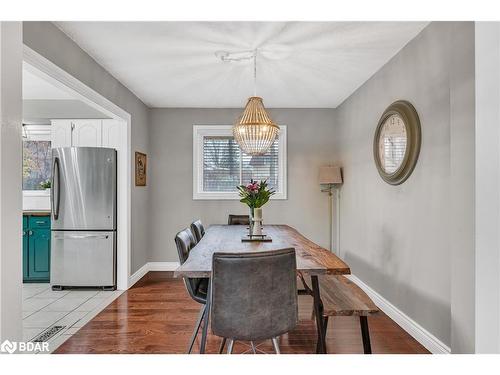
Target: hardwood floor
<point>157,316</point>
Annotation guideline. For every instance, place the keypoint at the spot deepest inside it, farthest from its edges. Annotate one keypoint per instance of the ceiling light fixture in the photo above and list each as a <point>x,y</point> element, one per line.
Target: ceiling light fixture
<point>254,131</point>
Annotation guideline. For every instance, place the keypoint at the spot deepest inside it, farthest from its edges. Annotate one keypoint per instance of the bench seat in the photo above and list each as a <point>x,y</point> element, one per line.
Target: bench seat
<point>341,297</point>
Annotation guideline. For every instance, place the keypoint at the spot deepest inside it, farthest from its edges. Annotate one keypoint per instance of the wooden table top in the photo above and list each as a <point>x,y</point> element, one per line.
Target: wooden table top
<point>312,259</point>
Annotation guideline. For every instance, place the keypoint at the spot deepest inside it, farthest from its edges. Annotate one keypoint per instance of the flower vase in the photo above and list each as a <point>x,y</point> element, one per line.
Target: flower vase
<point>250,221</point>
<point>256,224</point>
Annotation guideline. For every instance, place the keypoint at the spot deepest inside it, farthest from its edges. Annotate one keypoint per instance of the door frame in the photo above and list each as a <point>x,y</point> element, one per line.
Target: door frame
<point>44,68</point>
<point>487,187</point>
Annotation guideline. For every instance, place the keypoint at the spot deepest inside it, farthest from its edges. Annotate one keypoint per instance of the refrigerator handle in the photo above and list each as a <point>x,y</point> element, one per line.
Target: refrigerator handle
<point>56,200</point>
<point>81,237</point>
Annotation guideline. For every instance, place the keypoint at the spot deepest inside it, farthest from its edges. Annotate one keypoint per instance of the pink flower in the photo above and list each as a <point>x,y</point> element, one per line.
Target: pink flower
<point>253,187</point>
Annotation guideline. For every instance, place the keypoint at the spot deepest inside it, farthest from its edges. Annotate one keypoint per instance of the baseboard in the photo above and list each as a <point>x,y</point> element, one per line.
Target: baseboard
<point>427,339</point>
<point>151,266</point>
<point>138,275</point>
<point>163,266</point>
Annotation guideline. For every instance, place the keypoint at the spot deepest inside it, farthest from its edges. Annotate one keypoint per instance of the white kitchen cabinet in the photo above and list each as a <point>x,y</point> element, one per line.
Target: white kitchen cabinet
<point>111,134</point>
<point>60,133</point>
<point>87,133</point>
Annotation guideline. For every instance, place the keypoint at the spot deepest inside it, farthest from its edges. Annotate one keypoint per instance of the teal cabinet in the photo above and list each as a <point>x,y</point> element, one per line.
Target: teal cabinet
<point>36,249</point>
<point>39,254</point>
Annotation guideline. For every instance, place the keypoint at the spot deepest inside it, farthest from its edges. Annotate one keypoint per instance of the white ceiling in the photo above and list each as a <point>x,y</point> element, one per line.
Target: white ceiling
<point>301,64</point>
<point>37,88</point>
<point>42,101</point>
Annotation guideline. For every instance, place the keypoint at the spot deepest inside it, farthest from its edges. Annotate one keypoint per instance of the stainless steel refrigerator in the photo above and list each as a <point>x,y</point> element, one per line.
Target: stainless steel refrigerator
<point>83,198</point>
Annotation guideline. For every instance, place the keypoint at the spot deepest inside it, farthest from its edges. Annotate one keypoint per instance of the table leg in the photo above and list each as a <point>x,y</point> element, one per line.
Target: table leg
<point>318,310</point>
<point>206,319</point>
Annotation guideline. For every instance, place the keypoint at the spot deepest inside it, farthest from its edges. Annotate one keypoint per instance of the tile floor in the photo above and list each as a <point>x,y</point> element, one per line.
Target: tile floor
<point>44,308</point>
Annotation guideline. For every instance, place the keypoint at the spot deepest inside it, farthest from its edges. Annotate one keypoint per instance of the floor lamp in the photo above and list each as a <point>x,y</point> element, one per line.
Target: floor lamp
<point>329,178</point>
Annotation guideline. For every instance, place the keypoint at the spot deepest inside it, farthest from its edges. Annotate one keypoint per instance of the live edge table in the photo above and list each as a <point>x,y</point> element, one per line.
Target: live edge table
<point>312,260</point>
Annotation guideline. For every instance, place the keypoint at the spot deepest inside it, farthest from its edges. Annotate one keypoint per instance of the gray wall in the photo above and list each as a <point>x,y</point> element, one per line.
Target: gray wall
<point>462,187</point>
<point>53,44</point>
<point>172,207</point>
<point>400,239</point>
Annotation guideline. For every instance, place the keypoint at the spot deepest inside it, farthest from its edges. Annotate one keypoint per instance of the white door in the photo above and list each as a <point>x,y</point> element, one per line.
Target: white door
<point>87,133</point>
<point>111,134</point>
<point>60,133</point>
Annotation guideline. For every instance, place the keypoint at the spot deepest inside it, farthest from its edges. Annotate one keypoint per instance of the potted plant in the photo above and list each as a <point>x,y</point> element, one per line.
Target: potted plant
<point>46,185</point>
<point>255,195</point>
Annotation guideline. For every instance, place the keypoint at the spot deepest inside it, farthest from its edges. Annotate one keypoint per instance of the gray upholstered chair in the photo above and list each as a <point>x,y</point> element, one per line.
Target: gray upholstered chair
<point>196,287</point>
<point>238,220</point>
<point>254,295</point>
<point>198,230</point>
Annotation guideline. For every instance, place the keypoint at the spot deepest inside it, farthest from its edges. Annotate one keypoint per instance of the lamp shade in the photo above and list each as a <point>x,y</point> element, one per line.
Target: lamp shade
<point>254,131</point>
<point>330,175</point>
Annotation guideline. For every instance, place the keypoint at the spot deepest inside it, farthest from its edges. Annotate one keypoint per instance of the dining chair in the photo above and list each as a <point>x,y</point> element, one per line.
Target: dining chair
<point>196,287</point>
<point>254,296</point>
<point>238,220</point>
<point>198,230</point>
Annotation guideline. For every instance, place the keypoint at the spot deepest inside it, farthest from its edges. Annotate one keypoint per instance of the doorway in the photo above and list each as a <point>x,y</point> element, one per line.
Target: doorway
<point>50,97</point>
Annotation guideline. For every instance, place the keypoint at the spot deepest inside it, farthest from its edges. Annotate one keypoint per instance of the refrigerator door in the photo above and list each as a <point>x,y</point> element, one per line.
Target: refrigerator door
<point>83,259</point>
<point>83,188</point>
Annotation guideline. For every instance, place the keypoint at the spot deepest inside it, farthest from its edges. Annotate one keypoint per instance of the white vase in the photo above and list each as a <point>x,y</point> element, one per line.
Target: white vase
<point>257,222</point>
<point>257,214</point>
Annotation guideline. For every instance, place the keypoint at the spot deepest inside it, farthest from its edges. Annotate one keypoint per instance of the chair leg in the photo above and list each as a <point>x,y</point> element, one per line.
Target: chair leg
<point>275,345</point>
<point>365,333</point>
<point>222,344</point>
<point>196,328</point>
<point>206,318</point>
<point>230,346</point>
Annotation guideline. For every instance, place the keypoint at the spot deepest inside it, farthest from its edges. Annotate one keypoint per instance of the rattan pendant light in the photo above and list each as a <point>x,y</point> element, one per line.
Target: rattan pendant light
<point>254,131</point>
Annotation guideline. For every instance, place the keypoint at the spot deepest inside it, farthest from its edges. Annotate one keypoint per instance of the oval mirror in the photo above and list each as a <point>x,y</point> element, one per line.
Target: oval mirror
<point>397,142</point>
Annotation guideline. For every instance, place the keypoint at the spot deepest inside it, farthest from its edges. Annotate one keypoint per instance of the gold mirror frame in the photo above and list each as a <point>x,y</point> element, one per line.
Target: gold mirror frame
<point>407,112</point>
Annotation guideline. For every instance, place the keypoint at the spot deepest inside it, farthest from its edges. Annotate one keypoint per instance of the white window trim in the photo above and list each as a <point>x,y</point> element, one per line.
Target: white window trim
<point>37,132</point>
<point>201,131</point>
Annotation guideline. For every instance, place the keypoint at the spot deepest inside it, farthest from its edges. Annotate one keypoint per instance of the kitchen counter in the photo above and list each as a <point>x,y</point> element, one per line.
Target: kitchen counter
<point>36,212</point>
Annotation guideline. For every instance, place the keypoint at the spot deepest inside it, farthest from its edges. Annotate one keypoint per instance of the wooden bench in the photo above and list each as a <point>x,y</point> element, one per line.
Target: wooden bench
<point>341,297</point>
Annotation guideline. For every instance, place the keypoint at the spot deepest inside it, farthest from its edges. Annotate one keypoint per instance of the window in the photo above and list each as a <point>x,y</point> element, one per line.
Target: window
<point>37,156</point>
<point>219,165</point>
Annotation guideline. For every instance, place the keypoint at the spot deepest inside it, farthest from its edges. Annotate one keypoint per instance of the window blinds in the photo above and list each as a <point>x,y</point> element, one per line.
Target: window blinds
<point>225,166</point>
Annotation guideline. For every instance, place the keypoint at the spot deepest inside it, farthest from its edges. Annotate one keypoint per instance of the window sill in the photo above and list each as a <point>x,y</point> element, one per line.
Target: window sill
<point>36,193</point>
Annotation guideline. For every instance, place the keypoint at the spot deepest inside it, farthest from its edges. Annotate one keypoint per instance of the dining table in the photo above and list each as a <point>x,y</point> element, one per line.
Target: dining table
<point>312,260</point>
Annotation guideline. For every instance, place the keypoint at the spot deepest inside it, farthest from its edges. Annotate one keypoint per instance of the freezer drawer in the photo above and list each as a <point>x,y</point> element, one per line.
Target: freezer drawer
<point>83,258</point>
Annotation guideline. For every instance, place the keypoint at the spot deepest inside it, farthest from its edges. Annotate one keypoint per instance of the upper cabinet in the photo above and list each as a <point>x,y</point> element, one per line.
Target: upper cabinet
<point>86,133</point>
<point>111,134</point>
<point>61,133</point>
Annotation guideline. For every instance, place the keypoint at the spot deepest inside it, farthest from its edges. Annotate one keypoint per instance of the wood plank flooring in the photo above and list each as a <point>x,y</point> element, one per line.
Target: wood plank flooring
<point>157,316</point>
